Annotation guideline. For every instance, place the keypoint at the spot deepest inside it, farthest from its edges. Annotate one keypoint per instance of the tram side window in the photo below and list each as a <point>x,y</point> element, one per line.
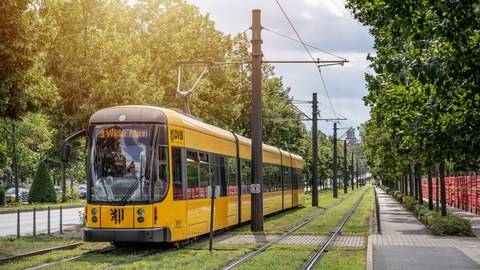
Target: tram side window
<point>219,173</point>
<point>192,175</point>
<point>177,173</point>
<point>231,176</point>
<point>274,178</point>
<point>246,176</point>
<point>287,179</point>
<point>204,173</point>
<point>266,181</point>
<point>160,184</point>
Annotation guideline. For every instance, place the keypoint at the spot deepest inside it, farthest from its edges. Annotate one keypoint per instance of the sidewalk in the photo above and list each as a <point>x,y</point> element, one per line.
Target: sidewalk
<point>405,243</point>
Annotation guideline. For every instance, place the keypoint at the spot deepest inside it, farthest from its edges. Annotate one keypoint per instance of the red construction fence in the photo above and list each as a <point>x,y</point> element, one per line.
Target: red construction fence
<point>462,192</point>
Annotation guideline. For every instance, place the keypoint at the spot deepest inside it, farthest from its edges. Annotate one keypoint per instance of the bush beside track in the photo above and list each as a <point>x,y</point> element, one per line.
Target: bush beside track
<point>433,220</point>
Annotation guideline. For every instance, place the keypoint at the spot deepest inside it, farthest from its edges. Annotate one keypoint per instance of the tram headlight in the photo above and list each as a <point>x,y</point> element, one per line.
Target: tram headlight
<point>140,211</point>
<point>140,219</point>
<point>94,211</point>
<point>94,219</point>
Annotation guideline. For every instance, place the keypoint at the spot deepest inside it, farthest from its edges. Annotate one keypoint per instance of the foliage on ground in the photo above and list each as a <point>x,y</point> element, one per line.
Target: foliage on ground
<point>438,225</point>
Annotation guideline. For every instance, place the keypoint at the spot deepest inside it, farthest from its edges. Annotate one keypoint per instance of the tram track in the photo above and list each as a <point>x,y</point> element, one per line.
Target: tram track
<point>320,251</point>
<point>39,252</point>
<point>96,252</point>
<point>317,255</point>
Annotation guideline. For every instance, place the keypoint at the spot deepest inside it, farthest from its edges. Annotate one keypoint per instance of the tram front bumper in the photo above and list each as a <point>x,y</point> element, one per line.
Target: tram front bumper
<point>153,235</point>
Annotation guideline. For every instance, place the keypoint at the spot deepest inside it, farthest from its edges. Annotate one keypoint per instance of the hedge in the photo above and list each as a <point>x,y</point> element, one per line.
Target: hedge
<point>438,225</point>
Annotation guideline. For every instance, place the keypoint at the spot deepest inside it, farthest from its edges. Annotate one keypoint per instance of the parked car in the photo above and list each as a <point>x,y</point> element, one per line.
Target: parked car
<point>82,191</point>
<point>10,194</point>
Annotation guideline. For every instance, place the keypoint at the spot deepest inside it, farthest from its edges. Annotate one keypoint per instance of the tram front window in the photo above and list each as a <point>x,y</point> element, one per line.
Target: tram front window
<point>119,157</point>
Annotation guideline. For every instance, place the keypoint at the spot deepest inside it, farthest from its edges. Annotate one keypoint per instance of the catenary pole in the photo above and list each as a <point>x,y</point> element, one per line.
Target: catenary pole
<point>315,151</point>
<point>257,197</point>
<point>335,192</point>
<point>345,174</point>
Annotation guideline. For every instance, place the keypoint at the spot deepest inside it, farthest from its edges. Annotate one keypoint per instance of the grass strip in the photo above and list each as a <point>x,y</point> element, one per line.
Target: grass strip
<point>13,246</point>
<point>344,258</point>
<point>327,222</point>
<point>282,222</point>
<point>359,222</point>
<point>54,256</point>
<point>193,257</point>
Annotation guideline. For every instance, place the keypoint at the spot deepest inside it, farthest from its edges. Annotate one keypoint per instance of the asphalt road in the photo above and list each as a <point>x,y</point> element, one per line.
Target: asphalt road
<point>8,222</point>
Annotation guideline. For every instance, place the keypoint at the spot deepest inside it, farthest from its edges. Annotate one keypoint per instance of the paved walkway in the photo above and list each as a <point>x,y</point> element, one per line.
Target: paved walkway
<point>405,243</point>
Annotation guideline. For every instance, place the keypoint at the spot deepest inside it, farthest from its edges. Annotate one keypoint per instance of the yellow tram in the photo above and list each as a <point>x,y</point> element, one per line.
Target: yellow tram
<point>150,172</point>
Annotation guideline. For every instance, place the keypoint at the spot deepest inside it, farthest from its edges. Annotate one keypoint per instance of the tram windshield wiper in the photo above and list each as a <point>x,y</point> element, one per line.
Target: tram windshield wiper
<point>130,191</point>
<point>132,187</point>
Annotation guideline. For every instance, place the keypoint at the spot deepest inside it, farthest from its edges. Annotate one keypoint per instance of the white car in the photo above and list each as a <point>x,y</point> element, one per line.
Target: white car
<point>10,194</point>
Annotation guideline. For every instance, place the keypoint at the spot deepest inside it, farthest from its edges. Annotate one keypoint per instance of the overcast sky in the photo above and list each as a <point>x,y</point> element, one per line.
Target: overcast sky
<point>324,24</point>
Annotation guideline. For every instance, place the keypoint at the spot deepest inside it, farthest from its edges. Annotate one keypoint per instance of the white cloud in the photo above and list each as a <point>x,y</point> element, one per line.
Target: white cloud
<point>325,24</point>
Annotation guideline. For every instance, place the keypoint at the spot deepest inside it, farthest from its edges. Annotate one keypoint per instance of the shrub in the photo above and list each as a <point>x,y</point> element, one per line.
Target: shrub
<point>398,194</point>
<point>2,196</point>
<point>450,225</point>
<point>42,189</point>
<point>409,202</point>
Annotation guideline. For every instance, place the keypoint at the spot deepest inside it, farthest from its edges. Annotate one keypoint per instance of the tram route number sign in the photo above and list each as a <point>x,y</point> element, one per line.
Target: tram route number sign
<point>255,188</point>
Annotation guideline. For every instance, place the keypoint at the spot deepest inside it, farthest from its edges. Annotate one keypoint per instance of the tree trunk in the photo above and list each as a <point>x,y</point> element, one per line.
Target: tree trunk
<point>14,159</point>
<point>443,197</point>
<point>410,181</point>
<point>430,189</point>
<point>418,176</point>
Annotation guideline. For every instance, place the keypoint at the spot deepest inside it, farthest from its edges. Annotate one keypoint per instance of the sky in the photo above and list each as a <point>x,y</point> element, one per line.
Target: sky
<point>323,24</point>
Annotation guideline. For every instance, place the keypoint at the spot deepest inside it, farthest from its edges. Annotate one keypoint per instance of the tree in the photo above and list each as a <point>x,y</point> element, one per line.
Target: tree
<point>42,190</point>
<point>23,88</point>
<point>424,96</point>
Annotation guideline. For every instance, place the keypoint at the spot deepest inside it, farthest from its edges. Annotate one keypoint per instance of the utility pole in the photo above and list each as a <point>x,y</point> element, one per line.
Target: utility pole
<point>335,192</point>
<point>357,172</point>
<point>353,175</point>
<point>345,173</point>
<point>315,151</point>
<point>257,180</point>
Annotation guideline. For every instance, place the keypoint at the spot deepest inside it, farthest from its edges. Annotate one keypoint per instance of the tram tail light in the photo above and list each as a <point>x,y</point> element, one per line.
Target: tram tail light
<point>155,217</point>
<point>86,214</point>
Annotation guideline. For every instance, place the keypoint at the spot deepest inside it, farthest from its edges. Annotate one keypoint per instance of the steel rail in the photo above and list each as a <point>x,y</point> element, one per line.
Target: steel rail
<point>319,252</point>
<point>283,236</point>
<point>105,250</point>
<point>39,252</point>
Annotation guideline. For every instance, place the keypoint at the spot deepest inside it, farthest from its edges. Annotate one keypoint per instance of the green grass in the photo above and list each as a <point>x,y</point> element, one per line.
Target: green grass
<point>279,257</point>
<point>359,222</point>
<point>13,246</point>
<point>278,224</point>
<point>53,256</point>
<point>344,258</point>
<point>327,222</point>
<point>193,257</point>
<point>38,206</point>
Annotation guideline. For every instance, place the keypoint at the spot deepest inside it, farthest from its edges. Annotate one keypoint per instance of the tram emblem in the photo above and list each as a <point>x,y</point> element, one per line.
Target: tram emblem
<point>176,137</point>
<point>117,215</point>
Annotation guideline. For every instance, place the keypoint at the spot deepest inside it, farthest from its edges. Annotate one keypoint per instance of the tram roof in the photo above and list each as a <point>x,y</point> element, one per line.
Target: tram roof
<point>150,114</point>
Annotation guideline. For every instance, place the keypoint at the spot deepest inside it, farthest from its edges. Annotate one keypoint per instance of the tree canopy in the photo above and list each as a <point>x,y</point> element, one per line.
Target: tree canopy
<point>65,59</point>
<point>425,92</point>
